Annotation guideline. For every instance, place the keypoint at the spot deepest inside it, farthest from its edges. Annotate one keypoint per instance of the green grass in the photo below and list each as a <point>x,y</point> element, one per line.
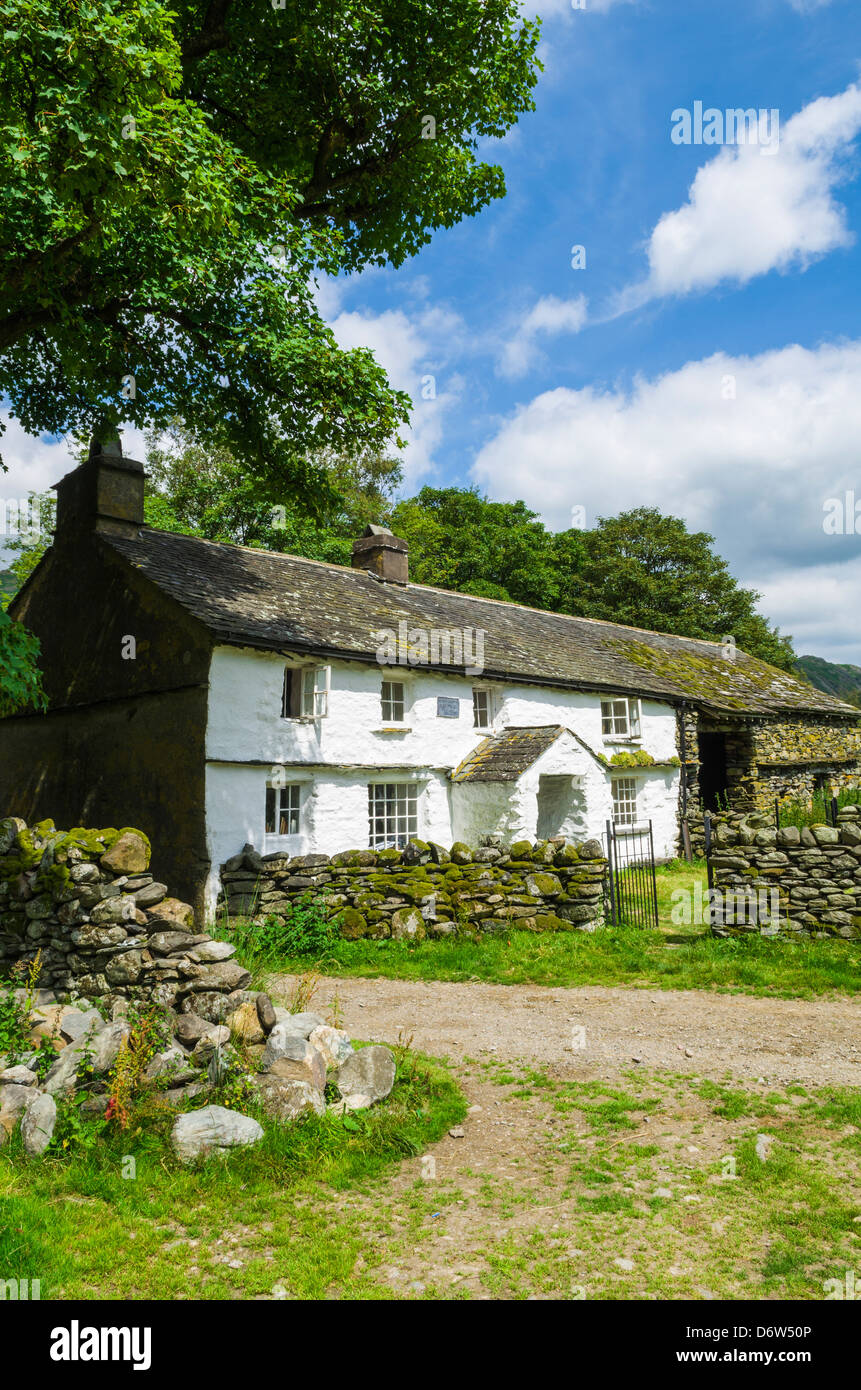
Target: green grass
<point>73,1221</point>
<point>673,957</point>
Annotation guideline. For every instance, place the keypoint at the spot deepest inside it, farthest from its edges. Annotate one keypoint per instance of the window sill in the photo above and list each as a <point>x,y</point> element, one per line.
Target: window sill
<point>394,729</point>
<point>622,738</point>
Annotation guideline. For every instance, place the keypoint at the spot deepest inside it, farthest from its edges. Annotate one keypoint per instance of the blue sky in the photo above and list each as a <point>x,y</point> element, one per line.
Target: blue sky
<point>707,360</point>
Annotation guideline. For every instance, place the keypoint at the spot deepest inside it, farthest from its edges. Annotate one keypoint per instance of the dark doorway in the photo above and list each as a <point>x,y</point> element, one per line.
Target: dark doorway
<point>713,783</point>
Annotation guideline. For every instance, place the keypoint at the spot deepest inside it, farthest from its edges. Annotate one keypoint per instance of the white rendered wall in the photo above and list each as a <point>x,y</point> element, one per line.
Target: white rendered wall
<point>335,757</point>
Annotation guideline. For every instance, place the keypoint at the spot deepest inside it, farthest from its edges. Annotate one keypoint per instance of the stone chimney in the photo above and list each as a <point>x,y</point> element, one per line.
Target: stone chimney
<point>384,554</point>
<point>106,493</point>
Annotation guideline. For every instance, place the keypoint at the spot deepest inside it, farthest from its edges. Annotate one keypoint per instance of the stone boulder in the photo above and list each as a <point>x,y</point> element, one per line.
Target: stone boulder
<point>128,855</point>
<point>175,911</point>
<point>369,1072</point>
<point>333,1045</point>
<point>286,1099</point>
<point>37,1124</point>
<point>212,1130</point>
<point>303,1024</point>
<point>294,1059</point>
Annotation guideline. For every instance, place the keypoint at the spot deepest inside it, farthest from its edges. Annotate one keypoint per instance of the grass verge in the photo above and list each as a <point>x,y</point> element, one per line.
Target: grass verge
<point>89,1223</point>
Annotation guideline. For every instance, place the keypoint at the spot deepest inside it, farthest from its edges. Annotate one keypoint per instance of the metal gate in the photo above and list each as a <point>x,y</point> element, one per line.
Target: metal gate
<point>632,891</point>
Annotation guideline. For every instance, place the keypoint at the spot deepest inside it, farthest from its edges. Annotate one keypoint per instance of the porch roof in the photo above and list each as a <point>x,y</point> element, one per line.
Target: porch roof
<point>504,757</point>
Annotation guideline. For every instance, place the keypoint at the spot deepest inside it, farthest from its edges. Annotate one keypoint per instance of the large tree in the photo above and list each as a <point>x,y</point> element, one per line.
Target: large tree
<point>647,570</point>
<point>461,540</point>
<point>174,174</point>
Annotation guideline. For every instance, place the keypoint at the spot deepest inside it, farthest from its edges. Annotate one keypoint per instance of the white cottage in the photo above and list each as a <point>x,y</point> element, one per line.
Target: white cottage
<point>215,695</point>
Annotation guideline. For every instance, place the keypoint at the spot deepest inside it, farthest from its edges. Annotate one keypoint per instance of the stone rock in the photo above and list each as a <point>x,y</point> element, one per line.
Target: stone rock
<point>224,975</point>
<point>209,951</point>
<point>37,1124</point>
<point>245,1024</point>
<point>290,1056</point>
<point>172,910</point>
<point>266,1013</point>
<point>217,1036</point>
<point>18,1076</point>
<point>333,1044</point>
<point>106,1044</point>
<point>129,855</point>
<point>212,1130</point>
<point>150,895</point>
<point>370,1071</point>
<point>286,1099</point>
<point>124,969</point>
<point>165,943</point>
<point>170,1064</point>
<point>13,1102</point>
<point>190,1028</point>
<point>303,1024</point>
<point>74,1024</point>
<point>408,925</point>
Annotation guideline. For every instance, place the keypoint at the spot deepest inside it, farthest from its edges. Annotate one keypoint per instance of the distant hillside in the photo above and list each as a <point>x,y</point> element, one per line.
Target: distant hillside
<point>842,681</point>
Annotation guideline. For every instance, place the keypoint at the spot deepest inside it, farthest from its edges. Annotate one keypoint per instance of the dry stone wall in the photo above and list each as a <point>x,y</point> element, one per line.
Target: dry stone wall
<point>814,873</point>
<point>427,890</point>
<point>102,925</point>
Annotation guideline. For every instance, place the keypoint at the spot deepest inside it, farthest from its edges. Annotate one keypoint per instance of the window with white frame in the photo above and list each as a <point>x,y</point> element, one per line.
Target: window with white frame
<point>283,810</point>
<point>624,800</point>
<point>482,707</point>
<point>393,702</point>
<point>392,813</point>
<point>305,692</point>
<point>620,718</point>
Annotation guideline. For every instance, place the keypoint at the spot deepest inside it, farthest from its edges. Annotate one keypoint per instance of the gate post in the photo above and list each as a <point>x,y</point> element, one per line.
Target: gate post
<point>610,874</point>
<point>707,823</point>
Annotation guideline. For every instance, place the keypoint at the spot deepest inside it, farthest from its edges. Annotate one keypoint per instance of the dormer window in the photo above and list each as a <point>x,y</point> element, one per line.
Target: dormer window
<point>620,718</point>
<point>305,692</point>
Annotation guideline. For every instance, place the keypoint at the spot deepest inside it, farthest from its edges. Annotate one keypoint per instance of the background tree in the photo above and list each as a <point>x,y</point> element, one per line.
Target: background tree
<point>460,540</point>
<point>207,492</point>
<point>647,570</point>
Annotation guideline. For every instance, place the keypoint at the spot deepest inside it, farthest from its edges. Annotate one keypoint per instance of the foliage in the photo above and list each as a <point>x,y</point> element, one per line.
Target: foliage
<point>20,678</point>
<point>460,540</point>
<point>148,1034</point>
<point>817,811</point>
<point>29,543</point>
<point>647,570</point>
<point>841,680</point>
<point>303,931</point>
<point>16,1012</point>
<point>174,176</point>
<point>200,491</point>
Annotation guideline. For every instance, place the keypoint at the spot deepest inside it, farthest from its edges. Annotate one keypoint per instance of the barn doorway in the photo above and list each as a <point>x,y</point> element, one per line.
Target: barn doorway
<point>713,773</point>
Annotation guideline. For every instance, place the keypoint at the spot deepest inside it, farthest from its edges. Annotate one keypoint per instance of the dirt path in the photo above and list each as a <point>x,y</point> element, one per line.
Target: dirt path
<point>545,1192</point>
<point>816,1042</point>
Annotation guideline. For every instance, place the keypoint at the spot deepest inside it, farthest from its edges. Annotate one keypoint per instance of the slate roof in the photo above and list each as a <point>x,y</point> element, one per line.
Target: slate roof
<point>258,598</point>
<point>504,757</point>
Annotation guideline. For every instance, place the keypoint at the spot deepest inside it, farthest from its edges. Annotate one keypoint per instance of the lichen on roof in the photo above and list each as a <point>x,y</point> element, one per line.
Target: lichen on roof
<point>742,684</point>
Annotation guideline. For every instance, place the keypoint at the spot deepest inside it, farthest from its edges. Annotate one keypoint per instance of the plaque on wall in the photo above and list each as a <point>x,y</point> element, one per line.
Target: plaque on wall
<point>447,708</point>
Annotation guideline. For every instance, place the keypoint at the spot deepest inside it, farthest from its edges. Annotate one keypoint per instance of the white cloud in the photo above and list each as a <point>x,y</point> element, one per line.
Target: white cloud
<point>549,316</point>
<point>755,470</point>
<point>807,6</point>
<point>751,210</point>
<point>414,351</point>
